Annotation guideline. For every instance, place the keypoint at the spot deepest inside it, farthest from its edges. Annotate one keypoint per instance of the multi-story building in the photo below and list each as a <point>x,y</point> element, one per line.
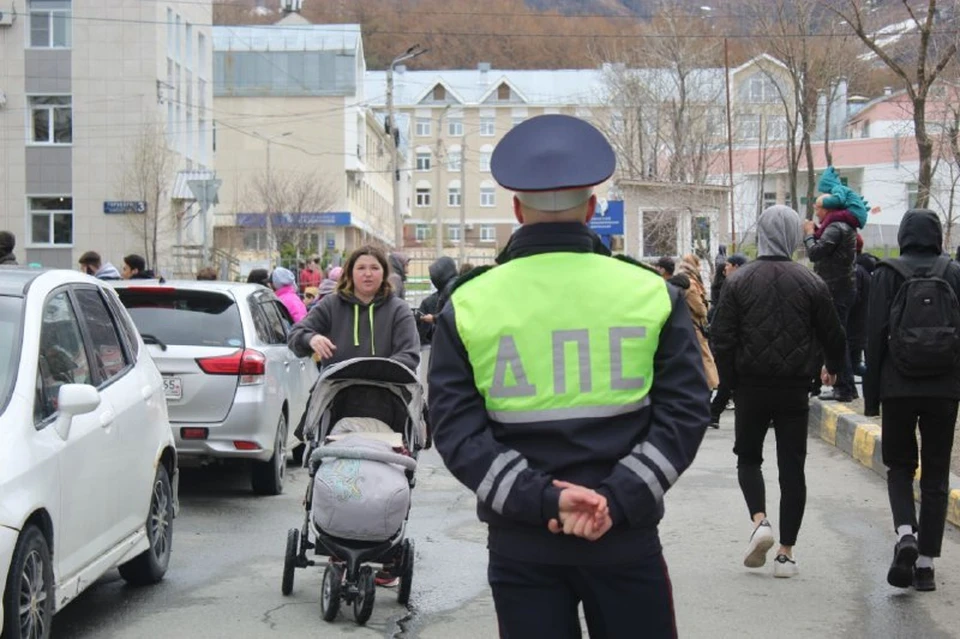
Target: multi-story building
<point>103,124</point>
<point>296,139</point>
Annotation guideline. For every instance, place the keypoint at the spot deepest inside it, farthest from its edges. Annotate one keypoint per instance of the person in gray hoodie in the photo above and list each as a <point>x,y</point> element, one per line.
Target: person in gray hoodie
<point>363,319</point>
<point>774,319</point>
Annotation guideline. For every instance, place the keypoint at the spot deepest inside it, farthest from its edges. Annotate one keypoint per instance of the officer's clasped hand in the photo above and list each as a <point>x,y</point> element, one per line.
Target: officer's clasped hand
<point>583,512</point>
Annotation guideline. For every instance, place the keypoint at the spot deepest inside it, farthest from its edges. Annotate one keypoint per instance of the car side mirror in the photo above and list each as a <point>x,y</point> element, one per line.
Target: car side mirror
<point>73,400</point>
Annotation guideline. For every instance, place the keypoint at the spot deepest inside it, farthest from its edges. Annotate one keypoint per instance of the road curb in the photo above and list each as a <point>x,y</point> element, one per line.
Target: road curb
<point>859,437</point>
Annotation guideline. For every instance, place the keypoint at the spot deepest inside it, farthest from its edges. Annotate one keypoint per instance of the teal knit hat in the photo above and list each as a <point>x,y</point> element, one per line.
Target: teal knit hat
<point>841,197</point>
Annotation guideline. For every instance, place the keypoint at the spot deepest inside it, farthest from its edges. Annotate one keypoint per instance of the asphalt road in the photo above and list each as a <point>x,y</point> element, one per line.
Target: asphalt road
<point>224,580</point>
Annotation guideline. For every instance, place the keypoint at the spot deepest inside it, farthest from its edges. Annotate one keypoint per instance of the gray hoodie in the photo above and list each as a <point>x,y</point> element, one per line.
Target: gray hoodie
<point>383,328</point>
<point>108,272</point>
<point>778,232</point>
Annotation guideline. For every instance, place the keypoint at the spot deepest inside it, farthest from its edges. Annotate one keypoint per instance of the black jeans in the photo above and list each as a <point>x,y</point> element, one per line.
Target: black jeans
<point>620,601</point>
<point>719,403</point>
<point>843,303</point>
<point>787,408</point>
<point>937,419</point>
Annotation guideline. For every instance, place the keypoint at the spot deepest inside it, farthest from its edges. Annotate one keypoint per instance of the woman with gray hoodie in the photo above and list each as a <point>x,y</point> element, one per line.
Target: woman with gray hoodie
<point>363,319</point>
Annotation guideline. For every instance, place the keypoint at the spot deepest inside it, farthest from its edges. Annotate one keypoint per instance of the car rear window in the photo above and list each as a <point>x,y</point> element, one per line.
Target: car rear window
<point>10,319</point>
<point>184,317</point>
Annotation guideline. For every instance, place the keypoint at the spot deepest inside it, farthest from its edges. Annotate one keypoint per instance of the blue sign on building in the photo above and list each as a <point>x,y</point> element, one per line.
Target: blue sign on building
<point>608,219</point>
<point>115,207</point>
<point>259,220</point>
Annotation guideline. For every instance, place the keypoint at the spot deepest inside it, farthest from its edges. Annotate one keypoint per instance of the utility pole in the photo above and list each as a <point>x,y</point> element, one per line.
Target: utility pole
<point>463,195</point>
<point>410,53</point>
<point>271,248</point>
<point>733,216</point>
<point>439,190</point>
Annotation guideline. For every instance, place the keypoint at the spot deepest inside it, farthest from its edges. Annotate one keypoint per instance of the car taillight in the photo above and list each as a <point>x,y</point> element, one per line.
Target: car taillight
<point>250,365</point>
<point>244,445</point>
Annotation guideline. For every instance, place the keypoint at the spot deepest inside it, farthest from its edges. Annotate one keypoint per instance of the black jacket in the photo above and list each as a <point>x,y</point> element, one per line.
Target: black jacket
<point>833,256</point>
<point>774,324</point>
<point>857,322</point>
<point>443,274</point>
<point>604,453</point>
<point>920,239</point>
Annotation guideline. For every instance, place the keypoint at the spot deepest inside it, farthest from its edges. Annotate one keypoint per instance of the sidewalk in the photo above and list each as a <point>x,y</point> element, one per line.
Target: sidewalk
<point>859,437</point>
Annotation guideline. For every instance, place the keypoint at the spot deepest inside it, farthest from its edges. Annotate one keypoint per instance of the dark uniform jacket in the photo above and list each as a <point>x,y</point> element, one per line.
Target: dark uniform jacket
<point>774,323</point>
<point>920,239</point>
<point>595,452</point>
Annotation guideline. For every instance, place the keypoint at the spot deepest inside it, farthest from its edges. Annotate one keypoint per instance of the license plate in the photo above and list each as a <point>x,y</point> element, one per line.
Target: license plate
<point>172,388</point>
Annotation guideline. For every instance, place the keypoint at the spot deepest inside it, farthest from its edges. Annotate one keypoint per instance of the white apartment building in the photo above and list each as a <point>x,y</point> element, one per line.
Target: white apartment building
<point>83,83</point>
<point>296,138</point>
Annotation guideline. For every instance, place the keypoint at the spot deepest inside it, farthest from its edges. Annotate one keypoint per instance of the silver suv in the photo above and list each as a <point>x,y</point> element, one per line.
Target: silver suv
<point>233,387</point>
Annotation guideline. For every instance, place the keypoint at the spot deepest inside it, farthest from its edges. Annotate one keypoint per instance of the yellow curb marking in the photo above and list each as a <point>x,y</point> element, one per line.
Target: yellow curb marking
<point>864,441</point>
<point>828,428</point>
<point>953,507</point>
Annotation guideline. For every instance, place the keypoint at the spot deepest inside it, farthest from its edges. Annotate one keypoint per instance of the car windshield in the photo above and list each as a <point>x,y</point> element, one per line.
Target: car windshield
<point>10,320</point>
<point>169,316</point>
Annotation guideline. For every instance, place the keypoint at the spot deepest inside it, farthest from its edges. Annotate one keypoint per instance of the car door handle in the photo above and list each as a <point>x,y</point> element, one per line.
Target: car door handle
<point>106,418</point>
<point>146,392</point>
<point>286,365</point>
<point>303,365</point>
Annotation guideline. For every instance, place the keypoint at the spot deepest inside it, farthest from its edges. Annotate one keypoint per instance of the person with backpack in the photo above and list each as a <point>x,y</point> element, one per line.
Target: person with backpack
<point>913,372</point>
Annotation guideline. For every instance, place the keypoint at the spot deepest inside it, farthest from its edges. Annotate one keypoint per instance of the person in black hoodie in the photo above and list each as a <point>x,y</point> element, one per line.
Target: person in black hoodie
<point>768,356</point>
<point>443,275</point>
<point>930,402</point>
<point>7,243</point>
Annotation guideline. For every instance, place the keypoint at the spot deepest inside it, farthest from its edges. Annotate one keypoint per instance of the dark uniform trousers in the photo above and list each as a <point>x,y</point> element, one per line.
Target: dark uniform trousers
<point>620,601</point>
<point>936,419</point>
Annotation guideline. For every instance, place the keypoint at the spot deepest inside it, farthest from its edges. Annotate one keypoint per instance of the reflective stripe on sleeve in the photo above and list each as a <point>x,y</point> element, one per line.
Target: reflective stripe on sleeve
<point>499,463</point>
<point>506,485</point>
<point>660,460</point>
<point>644,473</point>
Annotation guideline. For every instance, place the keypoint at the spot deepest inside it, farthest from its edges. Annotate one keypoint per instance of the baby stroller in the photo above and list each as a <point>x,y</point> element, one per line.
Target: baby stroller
<point>363,431</point>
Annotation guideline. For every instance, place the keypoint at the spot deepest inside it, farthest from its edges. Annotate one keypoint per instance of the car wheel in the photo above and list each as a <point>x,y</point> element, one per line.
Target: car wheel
<point>267,477</point>
<point>150,566</point>
<point>29,590</point>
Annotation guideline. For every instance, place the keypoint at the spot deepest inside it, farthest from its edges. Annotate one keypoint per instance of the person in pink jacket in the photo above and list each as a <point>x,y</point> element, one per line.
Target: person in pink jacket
<point>285,286</point>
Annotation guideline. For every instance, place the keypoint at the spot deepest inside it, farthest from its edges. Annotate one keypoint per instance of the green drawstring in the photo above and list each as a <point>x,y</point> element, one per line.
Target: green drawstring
<point>356,325</point>
<point>373,343</point>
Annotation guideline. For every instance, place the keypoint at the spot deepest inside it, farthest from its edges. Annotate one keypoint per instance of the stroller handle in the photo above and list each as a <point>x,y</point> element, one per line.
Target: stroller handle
<point>343,452</point>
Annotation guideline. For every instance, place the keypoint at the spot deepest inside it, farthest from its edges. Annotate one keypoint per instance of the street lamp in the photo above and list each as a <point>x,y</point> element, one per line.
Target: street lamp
<point>271,243</point>
<point>410,53</point>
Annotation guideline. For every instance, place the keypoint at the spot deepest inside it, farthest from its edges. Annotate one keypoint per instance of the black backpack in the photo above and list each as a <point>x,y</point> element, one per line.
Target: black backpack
<point>924,337</point>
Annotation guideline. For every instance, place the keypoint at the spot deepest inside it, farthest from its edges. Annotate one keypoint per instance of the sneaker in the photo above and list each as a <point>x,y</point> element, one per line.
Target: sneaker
<point>923,580</point>
<point>834,397</point>
<point>760,542</point>
<point>714,423</point>
<point>905,555</point>
<point>386,579</point>
<point>784,566</point>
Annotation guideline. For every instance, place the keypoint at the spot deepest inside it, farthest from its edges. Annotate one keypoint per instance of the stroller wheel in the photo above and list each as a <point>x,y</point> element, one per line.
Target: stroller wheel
<point>290,561</point>
<point>366,593</point>
<point>406,573</point>
<point>331,590</point>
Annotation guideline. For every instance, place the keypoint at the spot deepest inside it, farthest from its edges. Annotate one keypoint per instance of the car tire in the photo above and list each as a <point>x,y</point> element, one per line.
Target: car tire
<point>150,566</point>
<point>267,477</point>
<point>30,579</point>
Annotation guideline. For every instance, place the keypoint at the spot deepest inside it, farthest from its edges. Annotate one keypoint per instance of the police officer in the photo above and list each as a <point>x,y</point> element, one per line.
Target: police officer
<point>568,415</point>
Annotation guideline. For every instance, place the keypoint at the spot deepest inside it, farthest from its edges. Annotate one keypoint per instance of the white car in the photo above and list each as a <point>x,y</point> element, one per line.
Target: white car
<point>88,466</point>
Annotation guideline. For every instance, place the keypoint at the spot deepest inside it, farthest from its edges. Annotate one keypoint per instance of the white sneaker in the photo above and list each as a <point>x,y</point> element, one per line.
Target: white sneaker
<point>760,542</point>
<point>784,567</point>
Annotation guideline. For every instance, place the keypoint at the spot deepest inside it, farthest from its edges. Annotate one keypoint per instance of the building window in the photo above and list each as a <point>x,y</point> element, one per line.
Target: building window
<point>769,199</point>
<point>455,127</point>
<point>423,161</point>
<point>749,127</point>
<point>517,119</point>
<point>439,93</point>
<point>777,127</point>
<point>422,233</point>
<point>49,23</point>
<point>488,196</point>
<point>423,196</point>
<point>202,140</point>
<point>453,196</point>
<point>485,154</point>
<point>176,40</point>
<point>254,240</point>
<point>488,234</point>
<point>51,220</point>
<point>453,233</point>
<point>188,46</point>
<point>454,160</point>
<point>913,192</point>
<point>51,119</point>
<point>423,126</point>
<point>202,54</point>
<point>503,92</point>
<point>488,126</point>
<point>762,89</point>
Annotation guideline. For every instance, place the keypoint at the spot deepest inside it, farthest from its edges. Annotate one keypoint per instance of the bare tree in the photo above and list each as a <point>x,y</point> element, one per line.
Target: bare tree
<point>148,172</point>
<point>292,200</point>
<point>928,61</point>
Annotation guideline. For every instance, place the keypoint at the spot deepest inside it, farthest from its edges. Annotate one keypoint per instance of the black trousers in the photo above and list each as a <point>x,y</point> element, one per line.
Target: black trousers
<point>620,601</point>
<point>843,302</point>
<point>719,403</point>
<point>936,419</point>
<point>787,408</point>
